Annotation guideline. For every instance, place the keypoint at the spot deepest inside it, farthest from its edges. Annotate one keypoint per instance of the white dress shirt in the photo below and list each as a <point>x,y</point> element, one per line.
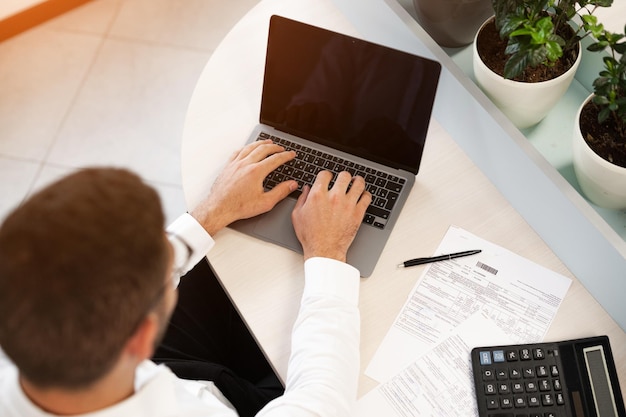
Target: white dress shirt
<point>323,365</point>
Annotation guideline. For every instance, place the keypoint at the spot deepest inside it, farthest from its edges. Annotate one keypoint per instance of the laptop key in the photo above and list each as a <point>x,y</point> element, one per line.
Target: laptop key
<point>391,200</point>
<point>378,212</point>
<point>393,186</point>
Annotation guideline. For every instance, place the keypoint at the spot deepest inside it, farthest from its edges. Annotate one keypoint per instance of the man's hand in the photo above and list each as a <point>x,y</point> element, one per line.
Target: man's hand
<point>238,192</point>
<point>326,221</point>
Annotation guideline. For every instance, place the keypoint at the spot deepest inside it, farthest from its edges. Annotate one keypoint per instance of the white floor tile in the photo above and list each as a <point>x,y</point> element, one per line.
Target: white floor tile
<point>96,17</point>
<point>40,74</point>
<point>16,179</point>
<point>131,109</point>
<point>47,175</point>
<point>105,84</point>
<point>191,23</point>
<point>172,199</point>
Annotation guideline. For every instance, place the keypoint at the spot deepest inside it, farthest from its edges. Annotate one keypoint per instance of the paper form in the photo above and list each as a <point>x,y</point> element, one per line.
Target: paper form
<point>517,295</point>
<point>440,383</point>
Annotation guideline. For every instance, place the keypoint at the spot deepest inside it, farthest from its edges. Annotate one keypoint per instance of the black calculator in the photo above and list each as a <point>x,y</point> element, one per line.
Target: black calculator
<point>573,378</point>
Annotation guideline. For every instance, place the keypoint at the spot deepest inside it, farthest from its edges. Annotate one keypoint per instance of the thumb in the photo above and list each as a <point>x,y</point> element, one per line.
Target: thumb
<point>281,191</point>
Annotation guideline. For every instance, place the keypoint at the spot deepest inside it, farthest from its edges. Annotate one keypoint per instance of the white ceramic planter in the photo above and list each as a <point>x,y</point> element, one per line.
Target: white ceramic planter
<point>525,104</point>
<point>601,181</point>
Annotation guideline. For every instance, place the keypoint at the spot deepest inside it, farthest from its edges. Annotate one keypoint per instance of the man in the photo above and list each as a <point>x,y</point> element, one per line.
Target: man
<point>87,287</point>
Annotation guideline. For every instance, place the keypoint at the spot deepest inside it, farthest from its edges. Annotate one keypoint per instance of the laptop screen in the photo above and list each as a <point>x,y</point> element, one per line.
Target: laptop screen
<point>355,96</point>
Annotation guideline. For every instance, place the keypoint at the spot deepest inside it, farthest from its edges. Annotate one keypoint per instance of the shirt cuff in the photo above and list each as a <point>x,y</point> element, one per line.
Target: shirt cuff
<point>194,236</point>
<point>329,277</point>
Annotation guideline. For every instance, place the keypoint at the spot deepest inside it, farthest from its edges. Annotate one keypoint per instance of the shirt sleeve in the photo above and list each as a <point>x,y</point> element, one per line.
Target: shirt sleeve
<point>190,241</point>
<point>5,362</point>
<point>323,370</point>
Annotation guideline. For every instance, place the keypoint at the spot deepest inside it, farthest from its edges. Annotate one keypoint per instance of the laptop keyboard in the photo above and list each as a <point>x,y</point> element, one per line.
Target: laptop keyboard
<point>384,187</point>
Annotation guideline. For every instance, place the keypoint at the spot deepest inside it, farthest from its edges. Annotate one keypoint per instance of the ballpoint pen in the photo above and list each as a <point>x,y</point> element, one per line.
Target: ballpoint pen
<point>421,261</point>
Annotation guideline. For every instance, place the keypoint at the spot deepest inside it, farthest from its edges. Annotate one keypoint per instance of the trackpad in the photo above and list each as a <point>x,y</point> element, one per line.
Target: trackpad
<point>276,226</point>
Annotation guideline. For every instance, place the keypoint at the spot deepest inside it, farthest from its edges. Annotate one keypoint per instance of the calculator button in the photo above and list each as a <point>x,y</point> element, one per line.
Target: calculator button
<point>542,371</point>
<point>512,356</point>
<point>529,372</point>
<point>517,387</point>
<point>525,354</point>
<point>519,401</point>
<point>506,402</point>
<point>533,401</point>
<point>560,400</point>
<point>503,388</point>
<point>554,370</point>
<point>501,374</point>
<point>556,384</point>
<point>538,353</point>
<point>544,385</point>
<point>490,389</point>
<point>488,375</point>
<point>515,373</point>
<point>547,399</point>
<point>531,386</point>
<point>498,356</point>
<point>492,404</point>
<point>485,358</point>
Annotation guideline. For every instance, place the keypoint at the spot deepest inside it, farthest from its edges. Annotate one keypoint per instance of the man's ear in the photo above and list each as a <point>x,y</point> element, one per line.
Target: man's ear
<point>141,343</point>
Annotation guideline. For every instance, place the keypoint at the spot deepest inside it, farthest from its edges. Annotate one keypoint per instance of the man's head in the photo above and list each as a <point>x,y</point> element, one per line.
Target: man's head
<point>81,263</point>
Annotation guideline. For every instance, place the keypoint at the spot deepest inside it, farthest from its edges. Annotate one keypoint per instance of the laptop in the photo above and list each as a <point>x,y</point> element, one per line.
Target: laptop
<point>343,104</point>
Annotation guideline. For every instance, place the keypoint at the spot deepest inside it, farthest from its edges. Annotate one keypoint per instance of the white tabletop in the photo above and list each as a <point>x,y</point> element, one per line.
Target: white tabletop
<point>265,281</point>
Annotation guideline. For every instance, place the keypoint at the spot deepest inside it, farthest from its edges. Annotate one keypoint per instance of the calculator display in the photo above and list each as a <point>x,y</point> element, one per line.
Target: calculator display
<point>600,381</point>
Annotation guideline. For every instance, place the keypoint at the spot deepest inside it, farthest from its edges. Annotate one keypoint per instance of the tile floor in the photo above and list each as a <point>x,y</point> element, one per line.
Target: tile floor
<point>106,84</point>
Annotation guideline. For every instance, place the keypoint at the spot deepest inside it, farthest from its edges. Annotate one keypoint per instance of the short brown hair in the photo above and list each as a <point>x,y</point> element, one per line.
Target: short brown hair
<point>79,263</point>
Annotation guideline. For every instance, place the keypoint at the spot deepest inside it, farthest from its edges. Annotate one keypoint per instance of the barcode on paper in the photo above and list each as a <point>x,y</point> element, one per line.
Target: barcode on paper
<point>487,268</point>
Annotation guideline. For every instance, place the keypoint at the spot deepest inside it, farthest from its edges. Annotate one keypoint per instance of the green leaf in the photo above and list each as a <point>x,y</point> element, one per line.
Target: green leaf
<point>554,51</point>
<point>603,115</point>
<point>512,48</point>
<point>600,100</point>
<point>510,24</point>
<point>589,18</point>
<point>602,3</point>
<point>515,65</point>
<point>537,56</point>
<point>596,47</point>
<point>545,25</point>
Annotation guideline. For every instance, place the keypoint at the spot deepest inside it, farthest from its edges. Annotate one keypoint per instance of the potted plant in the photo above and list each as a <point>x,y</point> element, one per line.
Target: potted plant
<point>526,56</point>
<point>599,147</point>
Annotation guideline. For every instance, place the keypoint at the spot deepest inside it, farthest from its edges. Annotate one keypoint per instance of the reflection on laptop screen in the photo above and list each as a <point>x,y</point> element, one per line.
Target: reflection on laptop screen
<point>362,98</point>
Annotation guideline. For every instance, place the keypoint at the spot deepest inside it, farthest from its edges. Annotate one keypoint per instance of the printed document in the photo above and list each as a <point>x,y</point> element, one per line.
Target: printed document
<point>518,296</point>
<point>439,383</point>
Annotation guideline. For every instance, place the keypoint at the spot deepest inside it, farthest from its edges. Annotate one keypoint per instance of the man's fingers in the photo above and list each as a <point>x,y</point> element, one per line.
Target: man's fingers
<point>343,181</point>
<point>264,150</point>
<point>249,148</point>
<point>273,161</point>
<point>281,191</point>
<point>301,199</point>
<point>322,180</point>
<point>365,199</point>
<point>357,188</point>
